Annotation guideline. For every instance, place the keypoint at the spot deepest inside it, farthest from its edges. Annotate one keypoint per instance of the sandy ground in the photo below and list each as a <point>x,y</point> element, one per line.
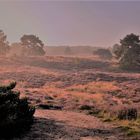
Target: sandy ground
<point>66,125</point>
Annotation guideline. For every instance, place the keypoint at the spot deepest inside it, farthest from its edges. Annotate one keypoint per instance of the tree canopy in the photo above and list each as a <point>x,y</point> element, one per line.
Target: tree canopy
<point>34,46</point>
<point>128,52</point>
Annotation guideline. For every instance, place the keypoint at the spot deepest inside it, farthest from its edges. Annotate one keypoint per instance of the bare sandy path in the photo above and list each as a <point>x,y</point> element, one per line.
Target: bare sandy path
<point>65,125</point>
<point>73,119</point>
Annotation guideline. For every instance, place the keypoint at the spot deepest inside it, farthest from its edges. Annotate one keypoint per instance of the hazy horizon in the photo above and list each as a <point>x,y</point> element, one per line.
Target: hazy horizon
<point>70,23</point>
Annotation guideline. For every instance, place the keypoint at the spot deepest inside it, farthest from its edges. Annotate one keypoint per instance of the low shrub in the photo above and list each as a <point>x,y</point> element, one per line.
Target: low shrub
<point>85,107</point>
<point>127,114</point>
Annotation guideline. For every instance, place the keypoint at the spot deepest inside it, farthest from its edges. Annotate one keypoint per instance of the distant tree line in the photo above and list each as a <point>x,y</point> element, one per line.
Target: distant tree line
<point>127,51</point>
<point>28,45</point>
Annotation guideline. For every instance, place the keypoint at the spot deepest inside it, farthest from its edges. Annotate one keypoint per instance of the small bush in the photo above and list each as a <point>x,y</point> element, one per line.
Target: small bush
<point>15,114</point>
<point>85,107</point>
<point>128,114</point>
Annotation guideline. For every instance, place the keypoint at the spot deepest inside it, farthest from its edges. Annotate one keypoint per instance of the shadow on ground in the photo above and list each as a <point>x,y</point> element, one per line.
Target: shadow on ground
<point>46,129</point>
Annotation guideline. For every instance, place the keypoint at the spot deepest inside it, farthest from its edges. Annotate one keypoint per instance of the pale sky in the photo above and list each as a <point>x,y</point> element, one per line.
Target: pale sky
<point>70,22</point>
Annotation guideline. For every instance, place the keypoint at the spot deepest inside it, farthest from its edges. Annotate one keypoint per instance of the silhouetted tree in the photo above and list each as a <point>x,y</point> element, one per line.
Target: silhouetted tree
<point>33,44</point>
<point>128,52</point>
<point>4,47</point>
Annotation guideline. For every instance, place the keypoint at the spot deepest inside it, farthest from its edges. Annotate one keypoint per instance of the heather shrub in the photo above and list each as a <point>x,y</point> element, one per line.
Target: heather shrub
<point>128,114</point>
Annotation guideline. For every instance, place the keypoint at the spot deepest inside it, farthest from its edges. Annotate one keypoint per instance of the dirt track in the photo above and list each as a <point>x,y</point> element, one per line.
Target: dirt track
<point>64,125</point>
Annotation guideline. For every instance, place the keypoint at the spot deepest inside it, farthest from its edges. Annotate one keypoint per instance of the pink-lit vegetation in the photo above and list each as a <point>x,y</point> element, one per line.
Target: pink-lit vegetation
<point>84,85</point>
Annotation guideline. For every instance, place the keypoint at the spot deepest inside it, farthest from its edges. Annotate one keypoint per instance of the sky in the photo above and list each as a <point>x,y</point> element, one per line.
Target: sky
<point>94,23</point>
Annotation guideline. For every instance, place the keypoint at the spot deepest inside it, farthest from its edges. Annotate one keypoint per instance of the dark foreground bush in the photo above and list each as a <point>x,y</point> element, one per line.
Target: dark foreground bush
<point>16,114</point>
<point>128,114</point>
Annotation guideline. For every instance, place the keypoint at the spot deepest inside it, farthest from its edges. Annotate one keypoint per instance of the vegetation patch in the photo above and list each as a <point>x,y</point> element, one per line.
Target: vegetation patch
<point>130,130</point>
<point>85,107</point>
<point>128,114</point>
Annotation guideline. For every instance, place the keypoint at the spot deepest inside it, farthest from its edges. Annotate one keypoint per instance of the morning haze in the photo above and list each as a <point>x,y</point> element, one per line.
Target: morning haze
<point>69,70</point>
<point>70,23</point>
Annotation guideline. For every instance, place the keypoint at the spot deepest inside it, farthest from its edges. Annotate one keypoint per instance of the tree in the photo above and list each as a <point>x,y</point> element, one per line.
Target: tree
<point>117,51</point>
<point>34,46</point>
<point>128,52</point>
<point>4,47</point>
